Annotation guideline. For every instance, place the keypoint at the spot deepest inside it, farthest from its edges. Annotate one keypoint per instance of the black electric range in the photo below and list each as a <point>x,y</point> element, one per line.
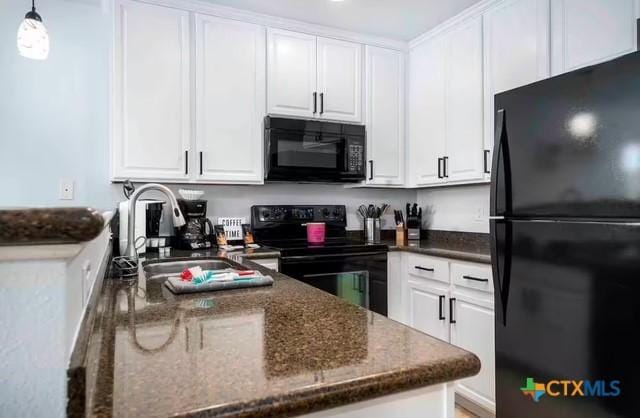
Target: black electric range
<point>351,269</point>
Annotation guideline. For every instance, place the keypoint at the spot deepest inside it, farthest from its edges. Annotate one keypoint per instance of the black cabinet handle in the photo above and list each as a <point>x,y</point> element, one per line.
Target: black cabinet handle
<point>200,162</point>
<point>452,301</point>
<point>321,103</point>
<point>315,102</point>
<point>439,168</point>
<point>445,164</point>
<point>186,162</point>
<point>485,160</point>
<point>370,169</point>
<point>441,308</point>
<point>475,279</point>
<point>423,268</point>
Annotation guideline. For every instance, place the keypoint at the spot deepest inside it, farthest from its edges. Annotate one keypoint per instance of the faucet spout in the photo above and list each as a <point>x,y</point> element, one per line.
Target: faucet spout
<point>176,214</point>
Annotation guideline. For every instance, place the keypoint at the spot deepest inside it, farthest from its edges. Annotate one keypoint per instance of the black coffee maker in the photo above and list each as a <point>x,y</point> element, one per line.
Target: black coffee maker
<point>193,235</point>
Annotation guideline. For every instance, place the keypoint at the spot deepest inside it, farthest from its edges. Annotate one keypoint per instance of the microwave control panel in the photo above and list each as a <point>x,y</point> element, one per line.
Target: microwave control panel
<point>355,158</point>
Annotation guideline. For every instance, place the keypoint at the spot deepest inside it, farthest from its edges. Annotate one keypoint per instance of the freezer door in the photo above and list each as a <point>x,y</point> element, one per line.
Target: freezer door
<point>569,146</point>
<point>566,309</point>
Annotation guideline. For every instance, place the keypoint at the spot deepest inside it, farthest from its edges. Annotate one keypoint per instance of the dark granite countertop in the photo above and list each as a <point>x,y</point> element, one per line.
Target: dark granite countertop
<point>465,246</point>
<point>279,351</point>
<point>33,226</point>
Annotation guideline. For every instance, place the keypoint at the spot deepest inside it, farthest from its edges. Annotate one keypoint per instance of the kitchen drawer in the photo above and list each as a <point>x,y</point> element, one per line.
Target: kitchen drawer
<point>426,267</point>
<point>270,263</point>
<point>473,276</point>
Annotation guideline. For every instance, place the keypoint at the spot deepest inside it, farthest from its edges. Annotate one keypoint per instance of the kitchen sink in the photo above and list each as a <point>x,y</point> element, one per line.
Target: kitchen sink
<point>173,267</point>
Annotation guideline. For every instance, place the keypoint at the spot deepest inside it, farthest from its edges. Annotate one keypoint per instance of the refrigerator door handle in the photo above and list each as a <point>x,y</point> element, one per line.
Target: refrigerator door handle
<point>500,154</point>
<point>501,267</point>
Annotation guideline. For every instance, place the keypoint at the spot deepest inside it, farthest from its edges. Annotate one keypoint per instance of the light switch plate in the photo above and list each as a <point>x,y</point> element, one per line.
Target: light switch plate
<point>66,189</point>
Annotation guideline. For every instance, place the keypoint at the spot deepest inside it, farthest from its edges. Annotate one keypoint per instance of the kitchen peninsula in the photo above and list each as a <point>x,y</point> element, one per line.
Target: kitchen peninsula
<point>285,350</point>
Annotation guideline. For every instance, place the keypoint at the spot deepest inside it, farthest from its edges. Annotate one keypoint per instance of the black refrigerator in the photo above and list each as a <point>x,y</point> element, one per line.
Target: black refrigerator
<point>565,244</point>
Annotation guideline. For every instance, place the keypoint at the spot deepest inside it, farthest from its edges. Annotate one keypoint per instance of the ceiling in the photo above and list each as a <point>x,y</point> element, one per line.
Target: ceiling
<point>395,19</point>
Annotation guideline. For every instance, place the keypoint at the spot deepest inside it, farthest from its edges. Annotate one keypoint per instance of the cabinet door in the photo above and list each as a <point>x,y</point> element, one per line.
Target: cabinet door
<point>427,112</point>
<point>385,115</point>
<point>339,80</point>
<point>152,92</point>
<point>585,32</point>
<point>473,329</point>
<point>428,309</point>
<point>516,52</point>
<point>230,86</point>
<point>395,284</point>
<point>464,103</point>
<point>291,73</point>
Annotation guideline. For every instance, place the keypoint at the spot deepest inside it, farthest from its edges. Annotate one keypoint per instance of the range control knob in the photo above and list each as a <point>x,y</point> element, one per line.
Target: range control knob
<point>336,213</point>
<point>325,213</point>
<point>266,214</point>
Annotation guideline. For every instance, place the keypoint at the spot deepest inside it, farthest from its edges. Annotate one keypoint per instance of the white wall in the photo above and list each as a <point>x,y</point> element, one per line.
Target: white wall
<point>53,113</point>
<point>461,208</point>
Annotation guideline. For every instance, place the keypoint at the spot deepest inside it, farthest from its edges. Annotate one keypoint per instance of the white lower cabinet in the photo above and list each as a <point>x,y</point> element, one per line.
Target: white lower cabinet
<point>427,309</point>
<point>453,301</point>
<point>270,263</point>
<point>472,328</point>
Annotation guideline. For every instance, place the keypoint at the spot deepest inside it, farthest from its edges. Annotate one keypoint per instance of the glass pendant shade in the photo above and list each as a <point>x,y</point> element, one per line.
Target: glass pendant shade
<point>33,39</point>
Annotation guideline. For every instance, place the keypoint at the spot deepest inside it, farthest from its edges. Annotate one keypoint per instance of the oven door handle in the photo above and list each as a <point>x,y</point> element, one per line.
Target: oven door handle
<point>325,256</point>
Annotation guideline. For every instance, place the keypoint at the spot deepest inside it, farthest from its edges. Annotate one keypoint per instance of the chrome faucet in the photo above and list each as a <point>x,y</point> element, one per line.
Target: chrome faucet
<point>178,219</point>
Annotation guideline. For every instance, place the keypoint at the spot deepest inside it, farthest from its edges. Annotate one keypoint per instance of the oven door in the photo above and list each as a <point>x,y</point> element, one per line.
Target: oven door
<point>360,278</point>
<point>308,156</point>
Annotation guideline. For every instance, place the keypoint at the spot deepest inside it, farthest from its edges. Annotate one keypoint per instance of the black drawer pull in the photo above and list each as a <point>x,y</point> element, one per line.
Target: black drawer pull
<point>451,307</point>
<point>423,268</point>
<point>186,162</point>
<point>441,307</point>
<point>475,279</point>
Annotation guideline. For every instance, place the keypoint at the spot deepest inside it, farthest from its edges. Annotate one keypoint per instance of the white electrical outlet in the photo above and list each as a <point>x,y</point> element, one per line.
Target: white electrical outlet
<point>480,214</point>
<point>66,189</point>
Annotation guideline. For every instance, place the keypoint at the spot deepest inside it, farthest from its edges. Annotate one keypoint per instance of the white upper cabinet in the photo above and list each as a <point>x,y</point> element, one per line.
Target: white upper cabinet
<point>291,73</point>
<point>314,77</point>
<point>464,103</point>
<point>586,32</point>
<point>427,119</point>
<point>339,80</point>
<point>446,107</point>
<point>230,101</point>
<point>516,53</point>
<point>384,77</point>
<point>152,117</point>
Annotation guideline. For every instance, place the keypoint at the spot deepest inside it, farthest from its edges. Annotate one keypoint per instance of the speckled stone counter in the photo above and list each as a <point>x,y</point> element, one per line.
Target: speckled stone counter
<point>465,246</point>
<point>49,225</point>
<point>278,351</point>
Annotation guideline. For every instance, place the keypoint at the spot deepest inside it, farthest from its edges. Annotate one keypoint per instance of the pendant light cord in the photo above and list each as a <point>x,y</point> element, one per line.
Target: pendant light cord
<point>33,5</point>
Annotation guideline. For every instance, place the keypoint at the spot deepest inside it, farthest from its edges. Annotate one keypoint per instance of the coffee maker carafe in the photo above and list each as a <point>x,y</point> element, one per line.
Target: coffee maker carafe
<point>193,235</point>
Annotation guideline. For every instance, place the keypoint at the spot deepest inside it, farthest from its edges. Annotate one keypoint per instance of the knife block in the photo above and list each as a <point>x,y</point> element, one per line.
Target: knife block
<point>401,235</point>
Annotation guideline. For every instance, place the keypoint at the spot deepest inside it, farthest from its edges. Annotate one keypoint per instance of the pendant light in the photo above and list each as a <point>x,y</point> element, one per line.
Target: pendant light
<point>33,39</point>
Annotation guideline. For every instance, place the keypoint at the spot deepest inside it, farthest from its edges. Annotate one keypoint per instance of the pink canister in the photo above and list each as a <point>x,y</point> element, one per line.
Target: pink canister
<point>315,232</point>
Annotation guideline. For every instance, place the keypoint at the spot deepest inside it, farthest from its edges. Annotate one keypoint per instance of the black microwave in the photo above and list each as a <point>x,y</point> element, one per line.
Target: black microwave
<point>300,150</point>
